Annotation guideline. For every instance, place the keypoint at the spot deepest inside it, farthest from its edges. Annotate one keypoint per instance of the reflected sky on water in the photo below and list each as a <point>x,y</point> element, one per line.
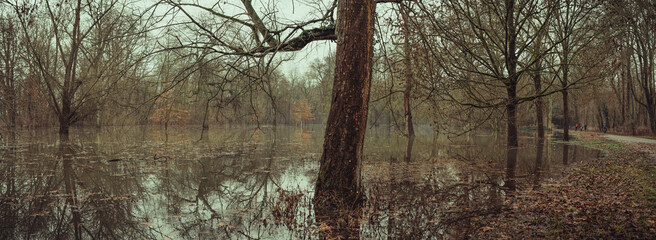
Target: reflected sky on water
<point>240,182</point>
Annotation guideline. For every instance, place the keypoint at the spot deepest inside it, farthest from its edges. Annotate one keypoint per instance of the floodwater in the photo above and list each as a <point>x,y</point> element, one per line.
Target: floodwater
<point>240,182</point>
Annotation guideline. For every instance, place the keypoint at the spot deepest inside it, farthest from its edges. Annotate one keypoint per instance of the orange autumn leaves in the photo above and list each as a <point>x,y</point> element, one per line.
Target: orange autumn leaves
<point>302,111</point>
<point>167,113</point>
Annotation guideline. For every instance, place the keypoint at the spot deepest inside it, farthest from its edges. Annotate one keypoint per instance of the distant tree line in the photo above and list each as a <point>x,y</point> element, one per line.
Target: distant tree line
<point>470,64</point>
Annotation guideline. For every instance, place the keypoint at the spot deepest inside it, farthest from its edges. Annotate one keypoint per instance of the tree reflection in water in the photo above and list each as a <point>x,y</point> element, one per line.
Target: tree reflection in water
<point>537,173</point>
<point>239,183</point>
<point>59,195</point>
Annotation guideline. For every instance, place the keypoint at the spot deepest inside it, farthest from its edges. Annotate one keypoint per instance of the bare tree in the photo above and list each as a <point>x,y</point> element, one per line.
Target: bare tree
<point>537,80</point>
<point>9,68</point>
<point>409,71</point>
<point>573,28</point>
<point>341,161</point>
<point>76,45</point>
<point>253,35</point>
<point>639,29</point>
<point>485,49</point>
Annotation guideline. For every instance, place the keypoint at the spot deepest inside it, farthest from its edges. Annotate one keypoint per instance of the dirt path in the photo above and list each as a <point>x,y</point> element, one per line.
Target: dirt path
<point>628,139</point>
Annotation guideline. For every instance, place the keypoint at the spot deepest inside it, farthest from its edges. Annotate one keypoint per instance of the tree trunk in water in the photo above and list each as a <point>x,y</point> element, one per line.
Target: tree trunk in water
<point>275,114</point>
<point>338,183</point>
<point>540,116</point>
<point>565,154</point>
<point>63,129</point>
<point>205,125</point>
<point>65,118</point>
<point>539,102</point>
<point>511,88</point>
<point>511,67</point>
<point>206,115</point>
<point>410,130</point>
<point>537,172</point>
<point>11,110</point>
<point>550,113</point>
<point>537,82</point>
<point>67,152</point>
<point>564,82</point>
<point>513,143</point>
<point>565,116</point>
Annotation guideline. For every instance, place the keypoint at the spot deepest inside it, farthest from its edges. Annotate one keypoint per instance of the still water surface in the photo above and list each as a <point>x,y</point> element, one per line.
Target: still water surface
<point>240,182</point>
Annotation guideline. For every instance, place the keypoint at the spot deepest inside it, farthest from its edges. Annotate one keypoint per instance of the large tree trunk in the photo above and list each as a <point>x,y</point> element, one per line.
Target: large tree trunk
<point>513,143</point>
<point>339,178</point>
<point>511,88</point>
<point>511,67</point>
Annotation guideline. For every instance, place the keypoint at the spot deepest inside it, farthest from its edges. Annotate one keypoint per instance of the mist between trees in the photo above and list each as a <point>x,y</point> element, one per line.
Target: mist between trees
<point>458,65</point>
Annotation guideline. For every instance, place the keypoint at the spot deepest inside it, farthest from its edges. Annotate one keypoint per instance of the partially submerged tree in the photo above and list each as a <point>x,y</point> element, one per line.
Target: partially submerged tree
<point>341,162</point>
<point>408,71</point>
<point>339,180</point>
<point>486,50</point>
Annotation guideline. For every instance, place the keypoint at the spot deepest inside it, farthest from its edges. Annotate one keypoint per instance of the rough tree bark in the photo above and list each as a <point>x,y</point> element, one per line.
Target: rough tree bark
<point>513,76</point>
<point>339,178</point>
<point>511,89</point>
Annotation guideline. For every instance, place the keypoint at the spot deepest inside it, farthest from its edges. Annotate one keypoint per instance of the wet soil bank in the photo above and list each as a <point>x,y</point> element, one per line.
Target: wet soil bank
<point>613,196</point>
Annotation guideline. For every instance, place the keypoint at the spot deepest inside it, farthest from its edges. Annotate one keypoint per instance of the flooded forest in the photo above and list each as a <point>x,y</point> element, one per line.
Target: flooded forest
<point>327,119</point>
